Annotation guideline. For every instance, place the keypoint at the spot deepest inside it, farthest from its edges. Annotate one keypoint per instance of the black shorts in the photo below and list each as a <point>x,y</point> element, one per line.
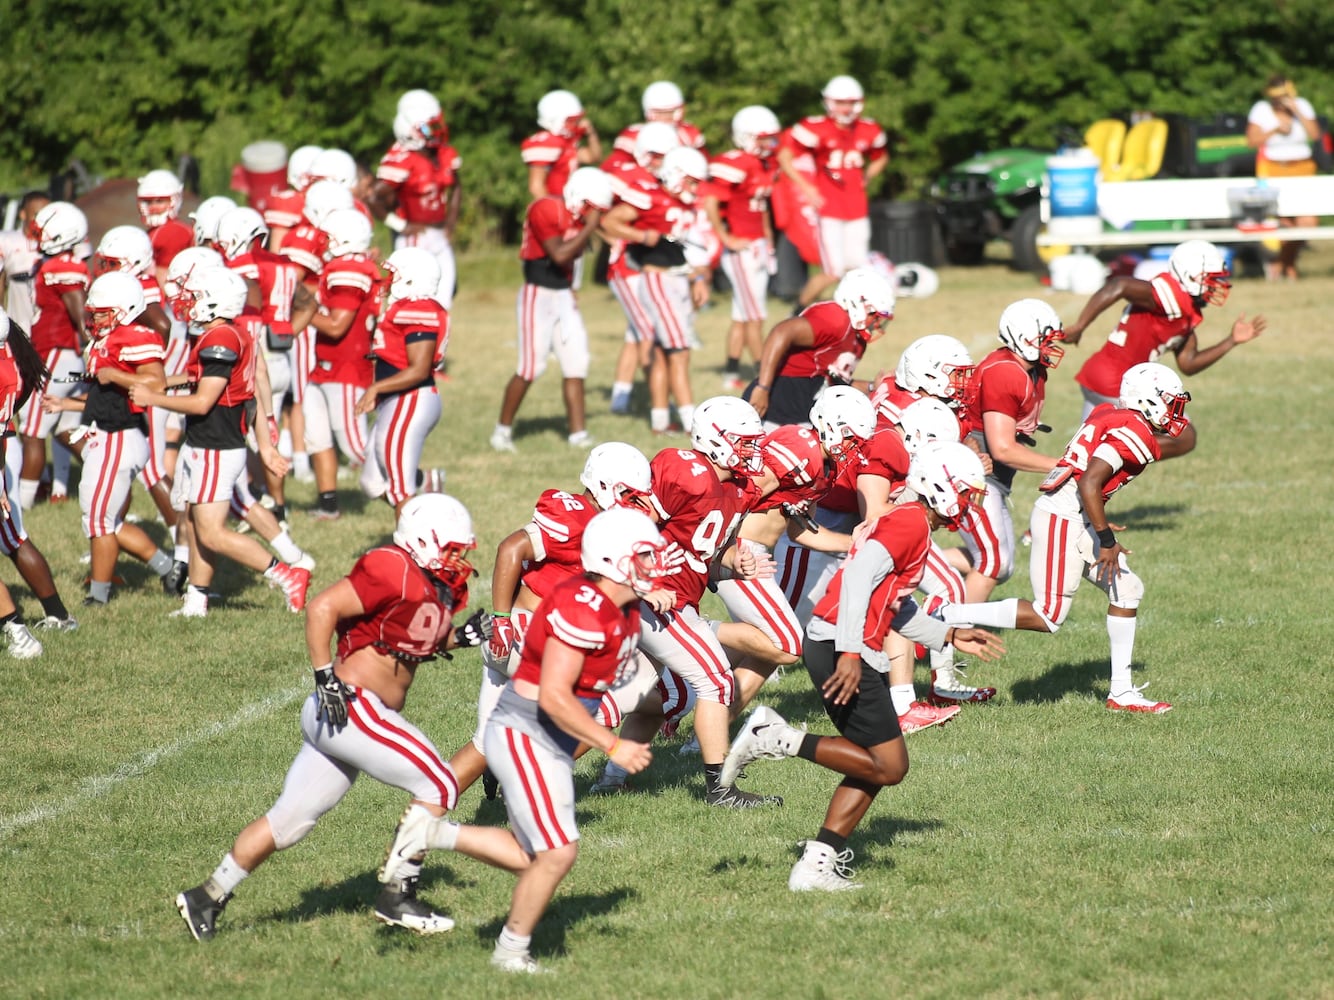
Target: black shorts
<point>790,399</point>
<point>868,719</point>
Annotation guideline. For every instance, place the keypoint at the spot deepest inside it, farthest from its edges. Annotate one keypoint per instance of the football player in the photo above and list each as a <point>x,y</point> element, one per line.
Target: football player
<point>556,232</point>
<point>580,644</point>
<point>664,103</point>
<point>393,612</point>
<point>1072,537</point>
<point>844,654</point>
<point>19,255</point>
<point>849,151</point>
<point>159,196</point>
<point>566,140</point>
<point>284,210</point>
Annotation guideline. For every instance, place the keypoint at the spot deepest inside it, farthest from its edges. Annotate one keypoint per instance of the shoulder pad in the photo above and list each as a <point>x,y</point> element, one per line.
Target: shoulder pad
<point>219,352</point>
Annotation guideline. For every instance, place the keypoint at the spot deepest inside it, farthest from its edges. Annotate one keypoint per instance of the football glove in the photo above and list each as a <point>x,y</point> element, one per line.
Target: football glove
<point>476,630</point>
<point>502,637</point>
<point>333,697</point>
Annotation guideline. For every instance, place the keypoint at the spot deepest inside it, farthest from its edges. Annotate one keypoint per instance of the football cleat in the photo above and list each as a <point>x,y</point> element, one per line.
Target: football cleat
<point>761,737</point>
<point>821,869</point>
<point>948,688</point>
<point>609,783</point>
<point>1134,701</point>
<point>490,785</point>
<point>294,582</point>
<point>174,581</point>
<point>409,841</point>
<point>306,562</point>
<point>194,605</point>
<point>22,645</point>
<point>502,440</point>
<point>921,716</point>
<point>53,624</point>
<point>320,514</point>
<point>733,383</point>
<point>690,747</point>
<point>516,963</point>
<point>731,797</point>
<point>200,911</point>
<point>398,906</point>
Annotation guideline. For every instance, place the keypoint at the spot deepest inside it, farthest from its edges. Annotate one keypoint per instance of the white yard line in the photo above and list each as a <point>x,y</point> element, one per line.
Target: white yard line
<point>142,763</point>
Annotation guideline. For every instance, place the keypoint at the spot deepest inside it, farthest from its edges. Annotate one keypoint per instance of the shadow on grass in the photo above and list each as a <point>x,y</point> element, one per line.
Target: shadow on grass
<point>356,894</point>
<point>1059,680</point>
<point>565,912</point>
<point>1150,517</point>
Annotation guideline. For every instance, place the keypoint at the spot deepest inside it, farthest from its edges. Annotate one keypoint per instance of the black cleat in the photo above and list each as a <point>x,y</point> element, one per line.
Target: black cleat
<point>490,785</point>
<point>731,797</point>
<point>200,911</point>
<point>398,906</point>
<point>174,581</point>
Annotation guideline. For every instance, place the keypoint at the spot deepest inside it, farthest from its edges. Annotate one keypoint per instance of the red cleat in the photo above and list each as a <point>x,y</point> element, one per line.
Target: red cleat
<point>920,716</point>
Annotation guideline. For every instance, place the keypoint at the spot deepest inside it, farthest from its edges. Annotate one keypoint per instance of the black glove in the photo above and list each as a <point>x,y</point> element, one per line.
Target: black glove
<point>333,695</point>
<point>476,630</point>
<point>800,513</point>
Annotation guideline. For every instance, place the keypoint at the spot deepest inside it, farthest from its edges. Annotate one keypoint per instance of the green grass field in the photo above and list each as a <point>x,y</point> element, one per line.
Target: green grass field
<point>1040,846</point>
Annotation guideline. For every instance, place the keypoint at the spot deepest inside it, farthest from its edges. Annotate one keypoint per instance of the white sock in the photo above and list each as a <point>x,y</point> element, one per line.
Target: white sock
<point>1121,632</point>
<point>942,659</point>
<point>903,695</point>
<point>228,875</point>
<point>621,389</point>
<point>510,943</point>
<point>658,419</point>
<point>285,443</point>
<point>442,835</point>
<point>288,551</point>
<point>181,553</point>
<point>687,415</point>
<point>28,492</point>
<point>992,614</point>
<point>300,463</point>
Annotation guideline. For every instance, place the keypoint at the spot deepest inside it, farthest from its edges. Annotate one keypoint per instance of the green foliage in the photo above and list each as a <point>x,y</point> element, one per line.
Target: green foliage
<point>128,86</point>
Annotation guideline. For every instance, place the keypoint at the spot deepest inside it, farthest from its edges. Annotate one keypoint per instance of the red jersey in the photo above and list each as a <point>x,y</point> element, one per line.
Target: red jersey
<point>168,240</point>
<point>558,153</point>
<point>840,153</point>
<point>557,532</point>
<point>1003,384</point>
<point>126,349</point>
<point>703,516</point>
<point>1121,438</point>
<point>905,533</point>
<point>794,455</point>
<point>421,182</point>
<point>304,246</point>
<point>580,615</point>
<point>11,385</point>
<point>836,349</point>
<point>52,328</point>
<point>883,455</point>
<point>405,322</point>
<point>1142,334</point>
<point>405,612</point>
<point>632,184</point>
<point>278,278</point>
<point>225,351</point>
<point>890,399</point>
<point>547,218</point>
<point>742,184</point>
<point>351,283</point>
<point>623,149</point>
<point>285,210</point>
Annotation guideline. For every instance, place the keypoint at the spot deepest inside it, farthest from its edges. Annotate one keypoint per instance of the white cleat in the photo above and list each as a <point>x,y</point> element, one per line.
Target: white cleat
<point>409,841</point>
<point>760,736</point>
<point>821,870</point>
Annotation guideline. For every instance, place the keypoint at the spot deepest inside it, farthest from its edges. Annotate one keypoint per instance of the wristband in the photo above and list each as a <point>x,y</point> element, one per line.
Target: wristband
<point>1106,538</point>
<point>396,222</point>
<point>761,385</point>
<point>500,614</point>
<point>699,279</point>
<point>612,749</point>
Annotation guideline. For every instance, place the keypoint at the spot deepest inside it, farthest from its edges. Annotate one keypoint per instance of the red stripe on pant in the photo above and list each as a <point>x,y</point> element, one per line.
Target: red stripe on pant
<point>742,288</point>
<point>211,474</point>
<point>99,523</point>
<point>356,443</point>
<point>528,332</point>
<point>987,541</point>
<point>717,671</point>
<point>362,713</point>
<point>640,321</point>
<point>793,580</point>
<point>535,789</point>
<point>672,327</point>
<point>1053,597</point>
<point>153,473</point>
<point>778,617</point>
<point>939,567</point>
<point>400,421</point>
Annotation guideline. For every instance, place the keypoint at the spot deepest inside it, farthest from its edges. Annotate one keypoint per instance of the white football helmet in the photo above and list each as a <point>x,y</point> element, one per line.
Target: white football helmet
<point>663,102</point>
<point>114,299</point>
<point>626,547</point>
<point>937,365</point>
<point>559,112</point>
<point>867,297</point>
<point>727,430</point>
<point>1155,392</point>
<point>618,474</point>
<point>843,417</point>
<point>126,248</point>
<point>419,121</point>
<point>1032,329</point>
<point>587,186</point>
<point>949,479</point>
<point>60,227</point>
<point>680,166</point>
<point>755,130</point>
<point>238,230</point>
<point>334,165</point>
<point>182,266</point>
<point>435,529</point>
<point>323,197</point>
<point>155,186</point>
<point>915,281</point>
<point>349,232</point>
<point>414,274</point>
<point>1199,267</point>
<point>298,166</point>
<point>208,215</point>
<point>843,88</point>
<point>928,421</point>
<point>215,293</point>
<point>655,139</point>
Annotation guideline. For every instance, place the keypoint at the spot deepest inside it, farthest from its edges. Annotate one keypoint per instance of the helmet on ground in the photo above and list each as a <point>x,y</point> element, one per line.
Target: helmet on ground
<point>215,293</point>
<point>843,89</point>
<point>414,273</point>
<point>114,299</point>
<point>727,430</point>
<point>949,479</point>
<point>435,529</point>
<point>323,197</point>
<point>182,266</point>
<point>624,546</point>
<point>126,248</point>
<point>755,130</point>
<point>915,281</point>
<point>155,186</point>
<point>680,166</point>
<point>928,421</point>
<point>1155,392</point>
<point>1199,267</point>
<point>663,101</point>
<point>937,365</point>
<point>1032,330</point>
<point>208,215</point>
<point>334,165</point>
<point>559,112</point>
<point>618,474</point>
<point>867,297</point>
<point>655,139</point>
<point>843,417</point>
<point>238,230</point>
<point>587,186</point>
<point>60,227</point>
<point>298,166</point>
<point>349,232</point>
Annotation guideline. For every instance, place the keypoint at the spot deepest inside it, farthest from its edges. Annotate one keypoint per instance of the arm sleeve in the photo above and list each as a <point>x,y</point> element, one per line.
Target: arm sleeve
<point>862,573</point>
<point>916,625</point>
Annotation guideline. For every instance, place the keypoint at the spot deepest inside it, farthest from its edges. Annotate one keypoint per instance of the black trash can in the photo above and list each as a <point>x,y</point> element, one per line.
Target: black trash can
<point>792,271</point>
<point>906,231</point>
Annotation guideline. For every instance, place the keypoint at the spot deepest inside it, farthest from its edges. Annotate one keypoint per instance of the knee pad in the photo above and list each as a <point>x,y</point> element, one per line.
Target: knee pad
<point>287,826</point>
<point>1126,591</point>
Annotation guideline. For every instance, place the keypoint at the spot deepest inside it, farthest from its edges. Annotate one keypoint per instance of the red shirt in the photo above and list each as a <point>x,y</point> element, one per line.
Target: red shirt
<point>278,278</point>
<point>1121,438</point>
<point>1142,334</point>
<point>52,328</point>
<point>1005,385</point>
<point>421,182</point>
<point>408,321</point>
<point>623,149</point>
<point>404,611</point>
<point>225,351</point>
<point>169,239</point>
<point>556,531</point>
<point>10,387</point>
<point>547,218</point>
<point>840,152</point>
<point>285,210</point>
<point>742,183</point>
<point>883,455</point>
<point>557,153</point>
<point>837,347</point>
<point>580,615</point>
<point>126,349</point>
<point>794,455</point>
<point>632,184</point>
<point>304,246</point>
<point>352,283</point>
